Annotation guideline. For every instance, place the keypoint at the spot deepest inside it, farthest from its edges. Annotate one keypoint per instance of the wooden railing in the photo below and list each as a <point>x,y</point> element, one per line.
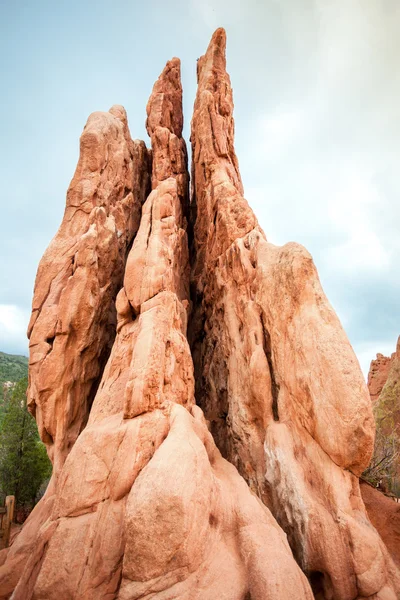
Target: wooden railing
<point>6,517</point>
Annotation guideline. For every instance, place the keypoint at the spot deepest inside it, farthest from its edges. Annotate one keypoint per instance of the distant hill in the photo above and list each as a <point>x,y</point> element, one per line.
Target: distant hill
<point>12,367</point>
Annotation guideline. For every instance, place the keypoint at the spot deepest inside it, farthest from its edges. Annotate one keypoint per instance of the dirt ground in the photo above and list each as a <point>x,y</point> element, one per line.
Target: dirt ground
<point>384,514</point>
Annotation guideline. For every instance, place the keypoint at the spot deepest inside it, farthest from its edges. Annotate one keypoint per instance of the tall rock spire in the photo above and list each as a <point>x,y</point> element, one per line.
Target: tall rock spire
<point>164,125</point>
<point>378,374</point>
<point>145,506</point>
<point>217,191</point>
<point>213,114</point>
<point>275,373</point>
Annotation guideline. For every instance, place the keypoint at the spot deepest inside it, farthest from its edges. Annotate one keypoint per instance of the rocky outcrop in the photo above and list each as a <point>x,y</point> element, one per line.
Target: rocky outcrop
<point>150,499</point>
<point>384,386</point>
<point>275,373</point>
<point>378,374</point>
<point>73,322</point>
<point>72,327</point>
<point>144,505</point>
<point>387,407</point>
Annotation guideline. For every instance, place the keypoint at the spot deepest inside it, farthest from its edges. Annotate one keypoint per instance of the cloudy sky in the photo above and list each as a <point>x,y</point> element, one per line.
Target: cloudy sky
<point>317,108</point>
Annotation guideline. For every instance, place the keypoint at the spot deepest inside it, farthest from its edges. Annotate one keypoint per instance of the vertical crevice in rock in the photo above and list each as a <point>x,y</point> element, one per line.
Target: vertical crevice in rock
<point>274,384</point>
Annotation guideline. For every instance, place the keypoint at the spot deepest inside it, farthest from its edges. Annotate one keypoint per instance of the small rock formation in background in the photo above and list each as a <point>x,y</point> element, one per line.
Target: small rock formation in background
<point>384,387</point>
<point>258,498</point>
<point>387,407</point>
<point>384,469</point>
<point>378,374</point>
<point>385,517</point>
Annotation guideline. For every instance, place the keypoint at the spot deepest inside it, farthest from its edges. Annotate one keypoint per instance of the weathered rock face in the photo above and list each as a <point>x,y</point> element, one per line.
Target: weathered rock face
<point>378,374</point>
<point>384,386</point>
<point>72,327</point>
<point>144,505</point>
<point>384,383</point>
<point>275,373</point>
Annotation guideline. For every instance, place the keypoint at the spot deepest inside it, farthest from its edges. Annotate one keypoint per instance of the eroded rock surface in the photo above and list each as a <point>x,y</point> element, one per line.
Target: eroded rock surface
<point>275,373</point>
<point>144,505</point>
<point>72,327</point>
<point>387,407</point>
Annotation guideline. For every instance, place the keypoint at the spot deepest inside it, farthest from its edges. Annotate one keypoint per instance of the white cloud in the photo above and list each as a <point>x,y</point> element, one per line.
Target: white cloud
<point>351,213</point>
<point>279,132</point>
<point>13,326</point>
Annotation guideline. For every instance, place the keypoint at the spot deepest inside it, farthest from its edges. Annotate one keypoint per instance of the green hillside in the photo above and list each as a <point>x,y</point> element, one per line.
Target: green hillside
<point>12,367</point>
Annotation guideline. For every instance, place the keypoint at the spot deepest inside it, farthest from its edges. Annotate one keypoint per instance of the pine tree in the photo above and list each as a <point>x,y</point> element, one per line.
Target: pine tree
<point>24,463</point>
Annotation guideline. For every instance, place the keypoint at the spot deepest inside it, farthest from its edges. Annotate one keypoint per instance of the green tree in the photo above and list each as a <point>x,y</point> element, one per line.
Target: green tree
<point>24,464</point>
<point>12,367</point>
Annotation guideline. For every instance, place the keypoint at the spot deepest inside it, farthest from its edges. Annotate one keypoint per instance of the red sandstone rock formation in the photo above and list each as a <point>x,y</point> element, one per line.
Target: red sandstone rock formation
<point>275,373</point>
<point>72,327</point>
<point>387,407</point>
<point>378,374</point>
<point>144,505</point>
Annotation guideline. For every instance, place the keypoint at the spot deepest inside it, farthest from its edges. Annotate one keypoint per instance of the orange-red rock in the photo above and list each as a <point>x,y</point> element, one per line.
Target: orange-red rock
<point>72,326</point>
<point>144,505</point>
<point>387,406</point>
<point>378,374</point>
<point>275,373</point>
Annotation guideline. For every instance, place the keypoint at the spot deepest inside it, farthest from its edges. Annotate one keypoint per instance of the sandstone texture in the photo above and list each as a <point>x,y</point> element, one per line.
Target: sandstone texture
<point>205,414</point>
<point>72,326</point>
